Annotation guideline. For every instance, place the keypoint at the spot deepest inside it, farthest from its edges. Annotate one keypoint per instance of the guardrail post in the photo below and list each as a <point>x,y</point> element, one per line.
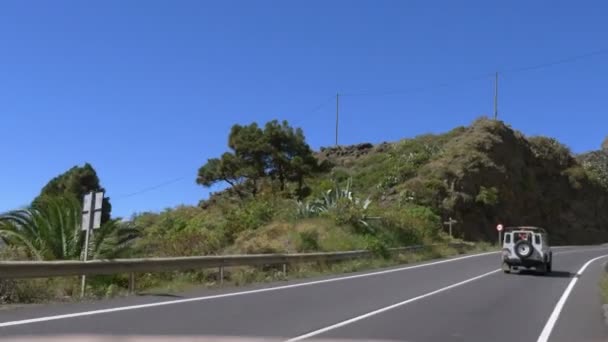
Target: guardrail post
<point>285,270</point>
<point>131,283</point>
<point>221,275</point>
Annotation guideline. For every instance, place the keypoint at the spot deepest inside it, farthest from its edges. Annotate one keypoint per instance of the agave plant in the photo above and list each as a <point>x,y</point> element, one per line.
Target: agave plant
<point>333,197</point>
<point>308,209</point>
<point>330,201</point>
<point>50,230</point>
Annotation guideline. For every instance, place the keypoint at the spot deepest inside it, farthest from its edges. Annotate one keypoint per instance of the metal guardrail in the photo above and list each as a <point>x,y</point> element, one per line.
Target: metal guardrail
<point>45,269</point>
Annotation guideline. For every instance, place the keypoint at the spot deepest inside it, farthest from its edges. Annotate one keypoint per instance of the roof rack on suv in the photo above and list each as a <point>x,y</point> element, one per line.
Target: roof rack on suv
<point>529,228</point>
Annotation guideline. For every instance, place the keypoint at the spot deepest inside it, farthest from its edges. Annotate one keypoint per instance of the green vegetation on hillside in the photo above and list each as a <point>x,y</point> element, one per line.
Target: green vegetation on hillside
<point>487,174</point>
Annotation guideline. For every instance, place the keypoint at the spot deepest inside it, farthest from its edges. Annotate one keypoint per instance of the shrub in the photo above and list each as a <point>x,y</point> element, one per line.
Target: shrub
<point>335,238</point>
<point>597,175</point>
<point>252,215</point>
<point>273,238</point>
<point>339,175</point>
<point>190,242</point>
<point>309,241</point>
<point>36,290</point>
<point>426,191</point>
<point>378,247</point>
<point>596,165</point>
<point>576,176</point>
<point>412,224</point>
<point>551,150</point>
<point>182,231</point>
<point>487,196</point>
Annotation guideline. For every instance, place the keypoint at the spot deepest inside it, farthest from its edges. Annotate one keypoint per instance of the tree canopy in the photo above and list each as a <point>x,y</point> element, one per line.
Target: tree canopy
<point>76,182</point>
<point>277,152</point>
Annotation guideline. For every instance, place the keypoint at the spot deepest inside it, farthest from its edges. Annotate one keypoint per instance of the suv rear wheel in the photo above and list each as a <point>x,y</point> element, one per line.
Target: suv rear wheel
<point>506,268</point>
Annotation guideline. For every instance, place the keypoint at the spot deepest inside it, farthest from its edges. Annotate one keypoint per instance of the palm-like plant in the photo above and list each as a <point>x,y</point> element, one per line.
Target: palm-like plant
<point>49,229</point>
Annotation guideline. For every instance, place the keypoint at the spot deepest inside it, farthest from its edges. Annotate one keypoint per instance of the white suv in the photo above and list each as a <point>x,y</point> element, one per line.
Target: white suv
<point>526,247</point>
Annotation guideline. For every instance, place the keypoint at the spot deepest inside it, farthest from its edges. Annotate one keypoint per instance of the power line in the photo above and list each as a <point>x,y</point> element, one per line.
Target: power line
<point>558,62</point>
<point>154,187</point>
<point>419,89</point>
<point>321,105</point>
<point>565,60</point>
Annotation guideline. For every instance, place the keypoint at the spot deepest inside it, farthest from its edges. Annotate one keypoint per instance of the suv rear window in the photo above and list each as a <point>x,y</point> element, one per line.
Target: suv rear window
<point>508,238</point>
<point>517,236</point>
<point>537,239</point>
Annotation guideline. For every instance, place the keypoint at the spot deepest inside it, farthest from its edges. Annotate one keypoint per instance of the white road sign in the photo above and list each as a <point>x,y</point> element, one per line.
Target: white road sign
<point>94,206</point>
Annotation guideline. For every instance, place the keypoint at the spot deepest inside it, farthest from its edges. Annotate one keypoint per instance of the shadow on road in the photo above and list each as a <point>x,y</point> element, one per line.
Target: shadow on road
<point>552,274</point>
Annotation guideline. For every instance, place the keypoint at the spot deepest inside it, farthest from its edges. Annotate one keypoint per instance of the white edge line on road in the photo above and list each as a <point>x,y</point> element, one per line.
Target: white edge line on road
<point>232,294</point>
<point>581,250</point>
<point>544,335</point>
<point>387,308</point>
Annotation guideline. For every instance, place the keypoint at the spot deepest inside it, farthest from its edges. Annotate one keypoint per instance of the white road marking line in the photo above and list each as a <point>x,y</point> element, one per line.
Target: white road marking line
<point>233,294</point>
<point>582,250</point>
<point>544,335</point>
<point>387,308</point>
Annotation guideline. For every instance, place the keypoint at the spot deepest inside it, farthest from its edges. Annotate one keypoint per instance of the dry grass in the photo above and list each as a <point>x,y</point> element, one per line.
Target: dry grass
<point>604,288</point>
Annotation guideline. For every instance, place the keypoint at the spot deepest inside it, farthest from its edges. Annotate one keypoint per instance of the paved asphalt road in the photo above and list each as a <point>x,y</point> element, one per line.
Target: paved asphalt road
<point>460,299</point>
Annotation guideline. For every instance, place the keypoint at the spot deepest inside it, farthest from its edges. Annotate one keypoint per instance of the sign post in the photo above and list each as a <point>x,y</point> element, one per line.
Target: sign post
<point>499,229</point>
<point>91,219</point>
<point>449,223</point>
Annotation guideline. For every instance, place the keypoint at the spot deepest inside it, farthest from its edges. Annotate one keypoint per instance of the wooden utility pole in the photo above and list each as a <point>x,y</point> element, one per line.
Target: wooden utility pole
<point>496,97</point>
<point>337,115</point>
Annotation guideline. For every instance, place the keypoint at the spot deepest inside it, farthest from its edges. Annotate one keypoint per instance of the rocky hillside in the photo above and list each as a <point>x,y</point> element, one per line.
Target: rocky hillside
<point>483,175</point>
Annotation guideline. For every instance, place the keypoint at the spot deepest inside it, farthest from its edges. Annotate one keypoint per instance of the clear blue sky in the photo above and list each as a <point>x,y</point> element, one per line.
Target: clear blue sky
<point>146,91</point>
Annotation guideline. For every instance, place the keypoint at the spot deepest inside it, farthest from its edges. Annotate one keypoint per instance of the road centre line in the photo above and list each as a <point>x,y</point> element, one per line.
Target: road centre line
<point>387,308</point>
